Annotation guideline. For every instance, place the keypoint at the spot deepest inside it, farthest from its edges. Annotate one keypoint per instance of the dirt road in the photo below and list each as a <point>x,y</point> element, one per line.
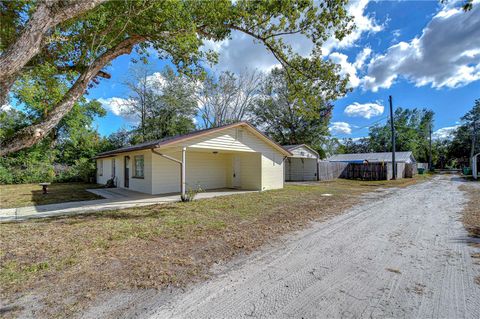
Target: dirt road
<point>402,255</point>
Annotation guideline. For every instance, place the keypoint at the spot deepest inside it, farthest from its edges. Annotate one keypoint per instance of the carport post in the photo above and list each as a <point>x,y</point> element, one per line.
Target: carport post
<point>183,172</point>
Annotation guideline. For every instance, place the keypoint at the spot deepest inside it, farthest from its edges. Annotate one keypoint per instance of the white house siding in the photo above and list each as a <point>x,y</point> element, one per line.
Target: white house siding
<point>272,170</point>
<point>261,165</point>
<point>234,139</point>
<point>303,152</point>
<point>166,173</point>
<point>270,176</point>
<point>143,185</point>
<point>207,170</point>
<point>204,169</point>
<point>106,163</point>
<point>250,171</point>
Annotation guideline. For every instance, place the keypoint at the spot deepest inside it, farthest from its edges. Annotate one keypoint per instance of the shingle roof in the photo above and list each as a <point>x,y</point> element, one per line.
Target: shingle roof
<point>178,138</point>
<point>371,157</point>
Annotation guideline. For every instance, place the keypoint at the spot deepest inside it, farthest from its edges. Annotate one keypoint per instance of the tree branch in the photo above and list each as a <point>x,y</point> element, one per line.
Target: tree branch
<point>34,133</point>
<point>31,40</point>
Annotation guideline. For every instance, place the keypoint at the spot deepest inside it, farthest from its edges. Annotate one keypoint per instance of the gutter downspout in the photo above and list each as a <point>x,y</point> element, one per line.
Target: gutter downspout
<point>182,168</point>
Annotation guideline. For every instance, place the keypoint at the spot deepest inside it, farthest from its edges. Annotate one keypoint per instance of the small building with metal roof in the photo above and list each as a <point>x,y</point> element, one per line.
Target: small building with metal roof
<point>231,156</point>
<point>302,165</point>
<point>385,157</point>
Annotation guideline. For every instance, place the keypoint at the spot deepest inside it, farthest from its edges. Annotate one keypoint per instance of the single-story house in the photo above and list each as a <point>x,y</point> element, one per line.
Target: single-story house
<point>231,156</point>
<point>386,157</point>
<point>302,165</point>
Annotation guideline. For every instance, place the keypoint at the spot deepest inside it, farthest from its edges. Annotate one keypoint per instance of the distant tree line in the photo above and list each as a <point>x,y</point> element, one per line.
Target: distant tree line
<point>413,134</point>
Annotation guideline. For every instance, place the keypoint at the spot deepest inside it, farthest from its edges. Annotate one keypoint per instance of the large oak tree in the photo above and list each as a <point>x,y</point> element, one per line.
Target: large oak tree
<point>79,38</point>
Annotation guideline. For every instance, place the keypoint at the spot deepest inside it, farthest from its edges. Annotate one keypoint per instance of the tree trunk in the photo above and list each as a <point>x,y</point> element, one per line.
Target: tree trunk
<point>34,133</point>
<point>18,54</point>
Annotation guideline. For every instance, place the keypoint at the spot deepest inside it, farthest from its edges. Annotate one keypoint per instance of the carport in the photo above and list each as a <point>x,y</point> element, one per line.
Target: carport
<point>302,165</point>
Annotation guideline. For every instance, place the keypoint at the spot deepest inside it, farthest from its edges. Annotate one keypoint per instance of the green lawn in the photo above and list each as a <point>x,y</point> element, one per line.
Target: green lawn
<point>31,194</point>
<point>156,246</point>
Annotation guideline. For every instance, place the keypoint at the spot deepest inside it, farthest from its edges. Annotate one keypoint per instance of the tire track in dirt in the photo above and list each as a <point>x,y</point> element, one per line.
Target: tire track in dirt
<point>400,255</point>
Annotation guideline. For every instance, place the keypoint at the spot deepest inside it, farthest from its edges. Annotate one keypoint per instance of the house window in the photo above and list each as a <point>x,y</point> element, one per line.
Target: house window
<point>100,167</point>
<point>139,163</point>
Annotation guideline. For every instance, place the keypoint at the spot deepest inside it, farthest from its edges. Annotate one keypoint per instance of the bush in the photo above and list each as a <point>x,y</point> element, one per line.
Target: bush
<point>191,193</point>
<point>84,169</point>
<point>14,172</point>
<point>29,171</point>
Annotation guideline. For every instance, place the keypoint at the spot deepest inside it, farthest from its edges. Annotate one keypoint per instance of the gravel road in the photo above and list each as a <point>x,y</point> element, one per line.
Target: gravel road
<point>402,255</point>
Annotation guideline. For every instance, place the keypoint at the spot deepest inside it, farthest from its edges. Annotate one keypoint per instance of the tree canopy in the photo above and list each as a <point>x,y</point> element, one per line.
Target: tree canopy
<point>291,112</point>
<point>75,40</point>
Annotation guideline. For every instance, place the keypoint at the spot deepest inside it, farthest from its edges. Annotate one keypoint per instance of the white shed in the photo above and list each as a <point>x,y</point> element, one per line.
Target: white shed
<point>231,156</point>
<point>302,165</point>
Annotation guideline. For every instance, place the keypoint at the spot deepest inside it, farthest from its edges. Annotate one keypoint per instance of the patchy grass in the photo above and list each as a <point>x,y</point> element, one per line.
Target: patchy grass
<point>67,262</point>
<point>471,213</point>
<point>471,216</point>
<point>31,194</point>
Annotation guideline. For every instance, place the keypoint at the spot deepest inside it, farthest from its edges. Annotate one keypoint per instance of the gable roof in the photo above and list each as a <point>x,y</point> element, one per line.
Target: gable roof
<point>295,146</point>
<point>372,157</point>
<point>185,137</point>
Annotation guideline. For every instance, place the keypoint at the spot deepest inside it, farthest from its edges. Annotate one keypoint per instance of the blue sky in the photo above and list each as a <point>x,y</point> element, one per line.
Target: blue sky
<point>422,53</point>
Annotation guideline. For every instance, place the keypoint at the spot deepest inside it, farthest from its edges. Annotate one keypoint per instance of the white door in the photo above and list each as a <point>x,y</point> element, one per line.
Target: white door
<point>236,183</point>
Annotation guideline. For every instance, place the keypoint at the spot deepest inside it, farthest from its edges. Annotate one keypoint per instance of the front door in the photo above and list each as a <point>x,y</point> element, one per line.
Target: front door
<point>127,172</point>
<point>236,172</point>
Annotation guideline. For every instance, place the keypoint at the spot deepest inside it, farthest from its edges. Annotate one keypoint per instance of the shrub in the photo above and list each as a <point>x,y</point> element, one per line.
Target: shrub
<point>191,193</point>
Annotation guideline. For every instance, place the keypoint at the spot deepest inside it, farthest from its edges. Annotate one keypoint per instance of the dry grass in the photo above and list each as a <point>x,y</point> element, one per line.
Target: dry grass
<point>471,213</point>
<point>67,262</point>
<point>31,194</point>
<point>471,216</point>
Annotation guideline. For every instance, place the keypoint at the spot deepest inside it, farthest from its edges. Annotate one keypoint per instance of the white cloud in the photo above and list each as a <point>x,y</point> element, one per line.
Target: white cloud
<point>6,107</point>
<point>340,128</point>
<point>155,79</point>
<point>350,69</point>
<point>366,110</point>
<point>445,132</point>
<point>119,106</point>
<point>241,51</point>
<point>364,24</point>
<point>446,54</point>
<point>346,68</point>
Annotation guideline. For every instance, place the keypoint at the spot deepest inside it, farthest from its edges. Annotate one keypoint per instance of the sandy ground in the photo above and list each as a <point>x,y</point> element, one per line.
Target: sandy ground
<point>402,255</point>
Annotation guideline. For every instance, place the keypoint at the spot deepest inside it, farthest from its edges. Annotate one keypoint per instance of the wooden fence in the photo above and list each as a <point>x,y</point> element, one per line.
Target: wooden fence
<point>371,171</point>
<point>331,170</point>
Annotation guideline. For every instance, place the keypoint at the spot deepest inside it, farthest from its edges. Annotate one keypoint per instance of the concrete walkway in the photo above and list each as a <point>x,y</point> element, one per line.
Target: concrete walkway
<point>114,198</point>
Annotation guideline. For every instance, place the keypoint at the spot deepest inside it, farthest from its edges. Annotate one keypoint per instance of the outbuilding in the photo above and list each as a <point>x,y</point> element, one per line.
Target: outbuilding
<point>302,165</point>
<point>232,156</point>
<point>384,157</point>
<point>405,163</point>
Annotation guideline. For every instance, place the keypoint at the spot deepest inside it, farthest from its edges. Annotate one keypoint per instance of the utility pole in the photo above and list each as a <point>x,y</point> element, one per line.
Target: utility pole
<point>394,164</point>
<point>430,155</point>
<point>474,140</point>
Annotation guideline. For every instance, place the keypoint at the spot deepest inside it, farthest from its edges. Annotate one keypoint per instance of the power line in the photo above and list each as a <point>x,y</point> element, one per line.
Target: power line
<point>368,125</point>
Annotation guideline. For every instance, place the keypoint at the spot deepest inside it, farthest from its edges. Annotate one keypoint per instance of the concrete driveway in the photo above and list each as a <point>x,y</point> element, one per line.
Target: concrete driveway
<point>404,255</point>
<point>114,198</point>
